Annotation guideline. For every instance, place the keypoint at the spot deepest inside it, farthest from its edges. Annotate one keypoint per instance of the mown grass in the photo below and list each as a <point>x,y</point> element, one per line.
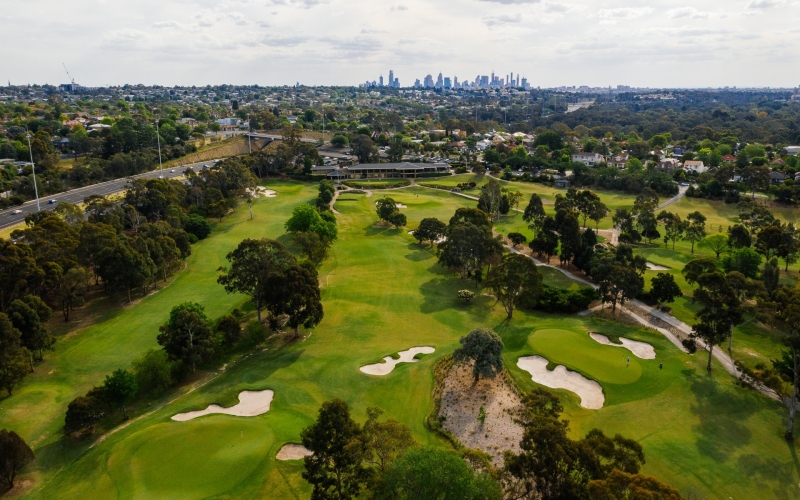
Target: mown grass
<point>384,293</point>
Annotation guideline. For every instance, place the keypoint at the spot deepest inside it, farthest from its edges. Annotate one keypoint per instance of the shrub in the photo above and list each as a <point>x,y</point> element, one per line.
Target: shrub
<point>82,414</point>
<point>198,226</point>
<point>466,295</point>
<point>153,372</point>
<point>556,300</point>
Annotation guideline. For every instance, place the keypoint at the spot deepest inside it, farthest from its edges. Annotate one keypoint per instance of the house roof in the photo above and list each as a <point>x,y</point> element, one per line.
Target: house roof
<point>396,166</point>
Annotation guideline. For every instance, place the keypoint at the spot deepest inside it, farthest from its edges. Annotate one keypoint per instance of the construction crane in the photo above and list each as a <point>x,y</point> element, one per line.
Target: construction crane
<point>72,80</point>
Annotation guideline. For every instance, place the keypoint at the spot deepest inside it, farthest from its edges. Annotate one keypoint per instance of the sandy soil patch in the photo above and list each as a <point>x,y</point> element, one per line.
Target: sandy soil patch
<point>460,407</point>
<point>291,451</point>
<point>656,267</point>
<point>590,392</point>
<point>389,362</point>
<point>639,349</point>
<point>262,191</point>
<point>251,404</point>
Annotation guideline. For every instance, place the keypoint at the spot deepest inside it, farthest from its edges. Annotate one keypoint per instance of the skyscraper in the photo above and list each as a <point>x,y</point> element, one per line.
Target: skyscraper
<point>439,81</point>
<point>391,78</point>
<point>380,81</point>
<point>447,83</point>
<point>428,81</point>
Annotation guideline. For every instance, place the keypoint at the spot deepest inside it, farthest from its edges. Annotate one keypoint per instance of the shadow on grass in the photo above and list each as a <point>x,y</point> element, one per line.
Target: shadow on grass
<point>441,294</point>
<point>721,413</point>
<point>379,229</point>
<point>515,337</point>
<point>419,253</point>
<point>768,474</point>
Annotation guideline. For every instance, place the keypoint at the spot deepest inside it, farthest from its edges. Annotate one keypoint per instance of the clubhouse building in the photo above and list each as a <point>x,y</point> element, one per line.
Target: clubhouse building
<point>381,170</point>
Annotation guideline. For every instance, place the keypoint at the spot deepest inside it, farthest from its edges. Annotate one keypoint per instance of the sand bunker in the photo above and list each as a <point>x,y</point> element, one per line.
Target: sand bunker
<point>261,190</point>
<point>400,205</point>
<point>639,349</point>
<point>292,451</point>
<point>389,363</point>
<point>439,240</point>
<point>590,392</point>
<point>656,267</point>
<point>251,404</point>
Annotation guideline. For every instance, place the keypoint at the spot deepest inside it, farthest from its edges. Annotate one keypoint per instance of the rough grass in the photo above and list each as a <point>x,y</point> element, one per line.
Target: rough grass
<point>383,293</point>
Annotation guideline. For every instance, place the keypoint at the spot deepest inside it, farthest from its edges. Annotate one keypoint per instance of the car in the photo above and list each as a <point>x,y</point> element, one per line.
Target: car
<point>205,166</point>
<point>684,183</point>
<point>215,161</point>
<point>172,171</point>
<point>52,202</point>
<point>16,212</point>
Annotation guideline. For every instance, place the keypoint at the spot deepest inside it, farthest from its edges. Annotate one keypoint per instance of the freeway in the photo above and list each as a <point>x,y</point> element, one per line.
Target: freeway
<point>75,196</point>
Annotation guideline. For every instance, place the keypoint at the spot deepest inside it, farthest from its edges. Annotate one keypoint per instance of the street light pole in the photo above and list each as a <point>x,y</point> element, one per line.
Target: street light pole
<point>249,133</point>
<point>33,169</point>
<point>158,138</point>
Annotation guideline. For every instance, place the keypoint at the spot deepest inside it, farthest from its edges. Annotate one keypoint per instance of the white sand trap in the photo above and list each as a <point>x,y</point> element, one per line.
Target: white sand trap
<point>261,190</point>
<point>251,404</point>
<point>389,362</point>
<point>439,240</point>
<point>656,267</point>
<point>639,349</point>
<point>590,392</point>
<point>292,451</point>
<point>400,205</point>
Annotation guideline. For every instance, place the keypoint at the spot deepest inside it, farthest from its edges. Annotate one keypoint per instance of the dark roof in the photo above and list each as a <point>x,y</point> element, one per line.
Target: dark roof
<point>396,166</point>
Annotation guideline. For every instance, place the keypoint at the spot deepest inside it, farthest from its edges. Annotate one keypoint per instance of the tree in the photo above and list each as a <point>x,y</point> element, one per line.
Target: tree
<point>570,236</point>
<point>230,328</point>
<point>545,241</point>
<point>739,237</point>
<point>770,275</point>
<point>618,273</point>
<point>71,290</point>
<point>15,455</point>
<point>197,226</point>
<point>83,412</point>
<point>585,202</point>
<point>340,141</point>
<point>597,212</point>
<point>470,215</point>
<point>18,270</point>
<point>769,240</point>
<point>789,363</point>
<point>306,218</point>
<point>187,336</point>
<point>466,248</point>
<point>647,222</point>
<point>744,260</point>
<point>251,263</point>
<point>621,485</point>
<point>431,229</point>
<point>385,441</point>
<point>398,219</point>
<point>534,212</point>
<point>152,372</point>
<point>485,348</point>
<point>364,149</point>
<point>295,292</point>
<point>29,315</point>
<point>790,244</point>
<point>695,267</point>
<point>396,150</point>
<point>696,228</point>
<point>386,208</point>
<point>719,313</point>
<point>674,227</point>
<point>717,243</point>
<point>13,356</point>
<point>314,247</point>
<point>517,239</point>
<point>466,295</point>
<point>514,278</point>
<point>119,389</point>
<point>430,473</point>
<point>335,469</point>
<point>664,289</point>
<point>490,199</point>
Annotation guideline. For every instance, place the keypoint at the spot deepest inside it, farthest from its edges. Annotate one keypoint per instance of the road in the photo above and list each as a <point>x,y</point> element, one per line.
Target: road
<point>7,218</point>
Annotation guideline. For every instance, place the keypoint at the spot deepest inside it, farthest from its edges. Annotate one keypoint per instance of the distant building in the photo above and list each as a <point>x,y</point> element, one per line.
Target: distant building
<point>695,166</point>
<point>447,83</point>
<point>668,165</point>
<point>562,183</point>
<point>619,160</point>
<point>792,150</point>
<point>387,170</point>
<point>776,177</point>
<point>428,82</point>
<point>588,159</point>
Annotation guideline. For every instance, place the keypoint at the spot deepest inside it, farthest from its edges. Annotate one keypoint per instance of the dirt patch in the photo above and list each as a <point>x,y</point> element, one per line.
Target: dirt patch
<point>291,451</point>
<point>251,404</point>
<point>389,362</point>
<point>590,392</point>
<point>639,349</point>
<point>460,406</point>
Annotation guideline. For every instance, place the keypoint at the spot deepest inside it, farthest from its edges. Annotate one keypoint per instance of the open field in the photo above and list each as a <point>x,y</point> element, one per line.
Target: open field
<point>383,293</point>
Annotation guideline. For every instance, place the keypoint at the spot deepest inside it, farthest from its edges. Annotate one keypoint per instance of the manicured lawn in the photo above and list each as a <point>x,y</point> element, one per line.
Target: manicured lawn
<point>384,293</point>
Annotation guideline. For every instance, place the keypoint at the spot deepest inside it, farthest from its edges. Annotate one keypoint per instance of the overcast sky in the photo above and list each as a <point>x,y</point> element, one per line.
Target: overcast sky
<point>345,42</point>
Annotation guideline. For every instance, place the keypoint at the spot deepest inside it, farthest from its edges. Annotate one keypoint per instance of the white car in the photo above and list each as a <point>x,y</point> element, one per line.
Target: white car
<point>172,171</point>
<point>16,212</point>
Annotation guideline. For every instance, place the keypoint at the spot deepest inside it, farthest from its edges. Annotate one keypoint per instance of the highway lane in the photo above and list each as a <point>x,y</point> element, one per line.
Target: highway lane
<point>75,196</point>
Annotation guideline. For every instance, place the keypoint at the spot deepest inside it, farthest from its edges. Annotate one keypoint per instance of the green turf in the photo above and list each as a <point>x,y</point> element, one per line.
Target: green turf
<point>384,293</point>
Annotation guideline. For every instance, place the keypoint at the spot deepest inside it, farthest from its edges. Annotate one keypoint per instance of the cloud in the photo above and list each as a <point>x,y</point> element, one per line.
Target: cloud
<point>502,19</point>
<point>168,24</point>
<point>306,4</point>
<point>367,31</point>
<point>398,7</point>
<point>125,38</point>
<point>511,2</point>
<point>282,41</point>
<point>623,13</point>
<point>560,8</point>
<point>684,12</point>
<point>765,4</point>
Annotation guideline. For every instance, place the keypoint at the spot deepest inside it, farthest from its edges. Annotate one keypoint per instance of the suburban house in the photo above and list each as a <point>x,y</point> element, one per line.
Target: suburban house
<point>387,170</point>
<point>483,144</point>
<point>229,123</point>
<point>728,159</point>
<point>619,160</point>
<point>776,177</point>
<point>562,183</point>
<point>695,166</point>
<point>668,165</point>
<point>792,150</point>
<point>588,159</point>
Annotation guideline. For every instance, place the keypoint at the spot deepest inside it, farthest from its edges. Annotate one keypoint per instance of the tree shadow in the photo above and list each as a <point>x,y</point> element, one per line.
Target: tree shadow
<point>768,474</point>
<point>376,228</point>
<point>418,253</point>
<point>440,294</point>
<point>515,336</point>
<point>720,413</point>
